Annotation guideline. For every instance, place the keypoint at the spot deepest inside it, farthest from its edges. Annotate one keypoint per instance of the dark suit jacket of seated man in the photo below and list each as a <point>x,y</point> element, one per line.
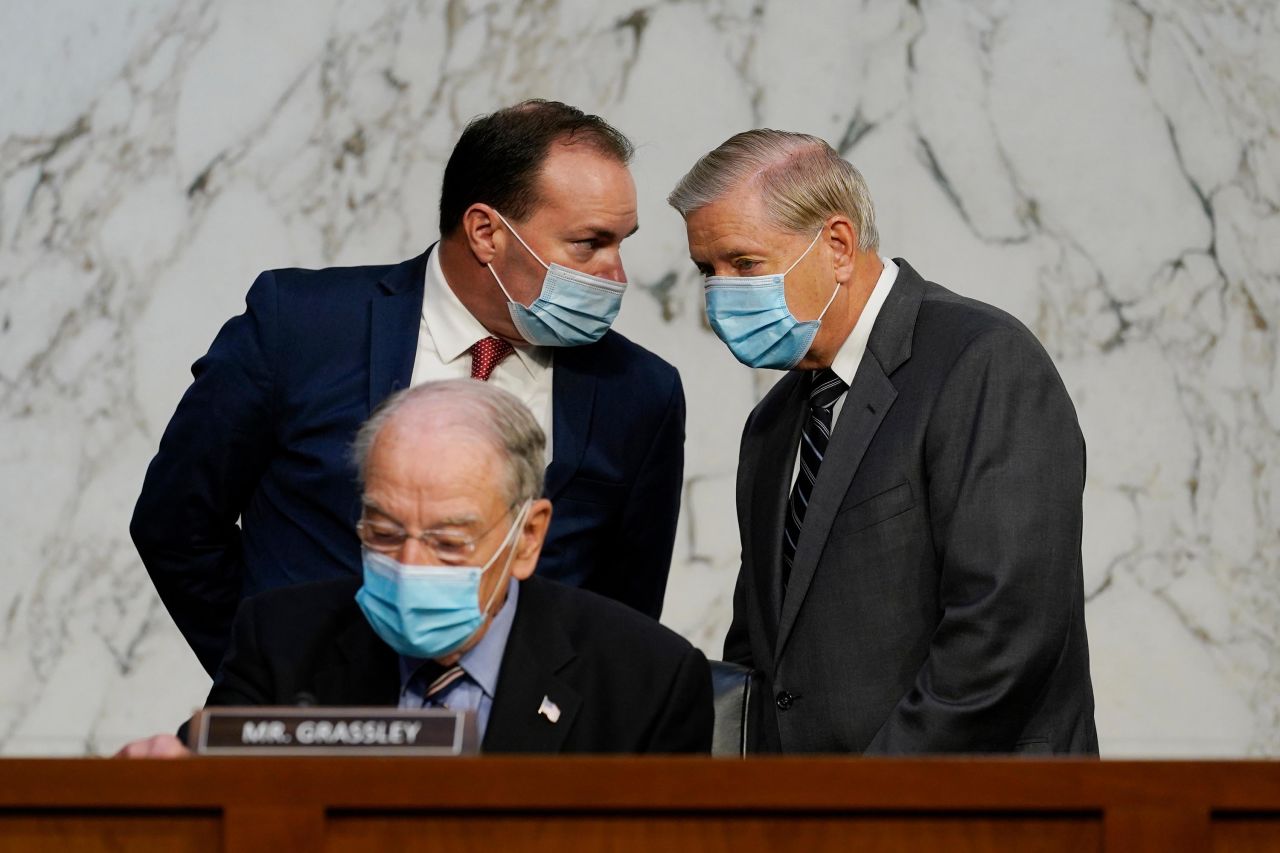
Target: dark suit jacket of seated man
<point>619,681</point>
<point>261,436</point>
<point>447,612</point>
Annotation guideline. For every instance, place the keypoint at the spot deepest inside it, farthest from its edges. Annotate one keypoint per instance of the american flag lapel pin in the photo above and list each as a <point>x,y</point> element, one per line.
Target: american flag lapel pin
<point>549,709</point>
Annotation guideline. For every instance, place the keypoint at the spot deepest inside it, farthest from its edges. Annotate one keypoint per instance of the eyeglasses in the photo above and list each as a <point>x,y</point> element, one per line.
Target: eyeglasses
<point>450,547</point>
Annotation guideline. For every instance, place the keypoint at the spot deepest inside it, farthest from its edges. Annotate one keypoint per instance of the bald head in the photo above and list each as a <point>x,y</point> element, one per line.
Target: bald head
<point>436,419</point>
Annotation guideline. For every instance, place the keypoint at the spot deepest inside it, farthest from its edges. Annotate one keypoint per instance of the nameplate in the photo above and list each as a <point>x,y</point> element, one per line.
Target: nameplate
<point>332,731</point>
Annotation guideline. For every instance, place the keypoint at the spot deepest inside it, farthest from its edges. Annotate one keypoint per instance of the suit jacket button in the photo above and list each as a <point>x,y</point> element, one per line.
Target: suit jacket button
<point>784,700</point>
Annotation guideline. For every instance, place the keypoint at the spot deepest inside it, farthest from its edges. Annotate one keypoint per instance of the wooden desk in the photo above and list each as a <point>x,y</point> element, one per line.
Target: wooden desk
<point>504,805</point>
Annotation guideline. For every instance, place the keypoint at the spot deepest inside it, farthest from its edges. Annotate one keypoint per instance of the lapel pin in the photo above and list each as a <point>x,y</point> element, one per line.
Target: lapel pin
<point>549,709</point>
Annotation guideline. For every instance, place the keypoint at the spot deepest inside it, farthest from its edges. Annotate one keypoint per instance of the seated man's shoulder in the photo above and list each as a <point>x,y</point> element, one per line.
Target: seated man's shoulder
<point>595,622</point>
<point>304,608</point>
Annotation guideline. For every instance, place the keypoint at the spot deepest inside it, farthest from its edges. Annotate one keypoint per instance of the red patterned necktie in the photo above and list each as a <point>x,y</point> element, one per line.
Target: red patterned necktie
<point>485,355</point>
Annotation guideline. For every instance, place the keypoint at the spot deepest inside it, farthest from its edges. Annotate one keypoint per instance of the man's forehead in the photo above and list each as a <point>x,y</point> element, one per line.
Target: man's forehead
<point>579,182</point>
<point>434,504</point>
<point>723,228</point>
<point>429,454</point>
<point>433,514</point>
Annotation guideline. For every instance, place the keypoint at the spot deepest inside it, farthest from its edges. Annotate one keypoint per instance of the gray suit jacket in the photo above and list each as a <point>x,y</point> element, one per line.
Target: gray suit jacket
<point>936,599</point>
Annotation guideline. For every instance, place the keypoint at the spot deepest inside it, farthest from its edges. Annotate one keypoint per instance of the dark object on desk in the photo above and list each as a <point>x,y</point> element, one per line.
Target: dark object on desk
<point>288,730</point>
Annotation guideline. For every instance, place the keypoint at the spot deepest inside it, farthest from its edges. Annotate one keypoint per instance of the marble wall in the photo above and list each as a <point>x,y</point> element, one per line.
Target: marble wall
<point>1107,170</point>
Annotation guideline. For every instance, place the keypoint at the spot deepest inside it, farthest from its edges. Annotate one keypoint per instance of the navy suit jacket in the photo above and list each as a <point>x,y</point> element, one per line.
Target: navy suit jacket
<point>262,437</point>
<point>622,682</point>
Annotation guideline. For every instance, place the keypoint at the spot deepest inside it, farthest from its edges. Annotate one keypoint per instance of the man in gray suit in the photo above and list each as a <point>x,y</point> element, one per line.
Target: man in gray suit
<point>909,493</point>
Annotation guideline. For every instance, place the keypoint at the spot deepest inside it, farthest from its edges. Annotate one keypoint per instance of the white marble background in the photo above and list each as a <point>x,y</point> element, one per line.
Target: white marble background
<point>1107,170</point>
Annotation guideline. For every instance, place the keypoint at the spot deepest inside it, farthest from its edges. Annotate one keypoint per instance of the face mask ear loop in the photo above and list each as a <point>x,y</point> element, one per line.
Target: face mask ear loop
<point>522,242</point>
<point>834,293</point>
<point>501,286</point>
<point>803,254</point>
<point>510,538</point>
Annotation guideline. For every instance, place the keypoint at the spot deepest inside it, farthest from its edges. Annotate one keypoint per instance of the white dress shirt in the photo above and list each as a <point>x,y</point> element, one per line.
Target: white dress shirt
<point>445,336</point>
<point>849,356</point>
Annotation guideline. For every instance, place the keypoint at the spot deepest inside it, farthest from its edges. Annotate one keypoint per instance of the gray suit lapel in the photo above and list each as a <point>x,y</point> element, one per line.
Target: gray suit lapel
<point>865,406</point>
<point>766,489</point>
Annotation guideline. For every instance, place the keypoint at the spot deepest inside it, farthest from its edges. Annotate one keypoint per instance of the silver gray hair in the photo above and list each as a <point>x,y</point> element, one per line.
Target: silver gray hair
<point>497,416</point>
<point>801,179</point>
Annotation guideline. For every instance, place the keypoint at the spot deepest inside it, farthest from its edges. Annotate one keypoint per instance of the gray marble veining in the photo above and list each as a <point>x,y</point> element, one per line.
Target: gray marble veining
<point>1107,170</point>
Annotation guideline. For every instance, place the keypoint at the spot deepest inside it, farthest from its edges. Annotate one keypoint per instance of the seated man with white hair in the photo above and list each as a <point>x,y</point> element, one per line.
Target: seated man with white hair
<point>448,612</point>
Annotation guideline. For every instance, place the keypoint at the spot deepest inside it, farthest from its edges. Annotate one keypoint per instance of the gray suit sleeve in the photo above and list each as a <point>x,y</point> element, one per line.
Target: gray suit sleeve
<point>1005,460</point>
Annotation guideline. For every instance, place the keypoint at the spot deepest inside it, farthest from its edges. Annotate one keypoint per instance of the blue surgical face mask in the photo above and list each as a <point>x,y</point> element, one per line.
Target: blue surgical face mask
<point>428,611</point>
<point>574,308</point>
<point>750,314</point>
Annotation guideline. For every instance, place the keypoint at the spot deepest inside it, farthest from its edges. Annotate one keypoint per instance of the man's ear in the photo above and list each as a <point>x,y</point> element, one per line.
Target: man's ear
<point>530,539</point>
<point>842,238</point>
<point>480,228</point>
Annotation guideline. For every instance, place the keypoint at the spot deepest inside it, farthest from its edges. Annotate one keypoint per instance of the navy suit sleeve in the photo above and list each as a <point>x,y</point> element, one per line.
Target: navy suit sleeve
<point>648,530</point>
<point>1006,473</point>
<point>211,456</point>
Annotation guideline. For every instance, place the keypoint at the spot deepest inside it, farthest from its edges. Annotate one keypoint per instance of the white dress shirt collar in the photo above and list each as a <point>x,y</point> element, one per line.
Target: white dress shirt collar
<point>849,356</point>
<point>452,327</point>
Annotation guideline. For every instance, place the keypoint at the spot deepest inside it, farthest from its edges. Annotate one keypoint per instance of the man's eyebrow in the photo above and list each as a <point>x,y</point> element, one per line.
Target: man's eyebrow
<point>456,521</point>
<point>732,252</point>
<point>609,234</point>
<point>451,521</point>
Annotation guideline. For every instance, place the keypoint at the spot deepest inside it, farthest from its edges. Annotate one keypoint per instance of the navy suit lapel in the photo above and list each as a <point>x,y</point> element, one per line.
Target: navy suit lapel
<point>865,406</point>
<point>537,651</point>
<point>395,317</point>
<point>573,393</point>
<point>768,487</point>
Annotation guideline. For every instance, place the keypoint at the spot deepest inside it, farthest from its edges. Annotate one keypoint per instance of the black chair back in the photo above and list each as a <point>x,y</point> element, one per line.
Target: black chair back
<point>736,693</point>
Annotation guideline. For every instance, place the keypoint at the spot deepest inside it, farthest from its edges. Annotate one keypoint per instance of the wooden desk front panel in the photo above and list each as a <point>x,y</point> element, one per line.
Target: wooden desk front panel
<point>715,833</point>
<point>80,831</point>
<point>506,805</point>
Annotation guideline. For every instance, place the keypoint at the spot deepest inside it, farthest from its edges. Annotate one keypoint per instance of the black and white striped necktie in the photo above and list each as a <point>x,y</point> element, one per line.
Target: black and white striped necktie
<point>826,389</point>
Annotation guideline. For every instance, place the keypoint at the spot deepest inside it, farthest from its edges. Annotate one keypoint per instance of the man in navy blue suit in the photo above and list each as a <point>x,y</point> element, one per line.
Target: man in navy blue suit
<point>519,291</point>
